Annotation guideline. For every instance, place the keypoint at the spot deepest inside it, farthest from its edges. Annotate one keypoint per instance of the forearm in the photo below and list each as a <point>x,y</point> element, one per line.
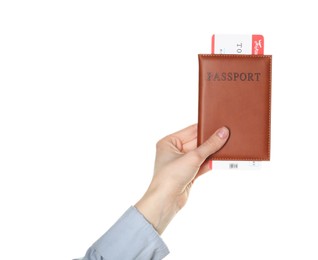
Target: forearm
<point>131,237</point>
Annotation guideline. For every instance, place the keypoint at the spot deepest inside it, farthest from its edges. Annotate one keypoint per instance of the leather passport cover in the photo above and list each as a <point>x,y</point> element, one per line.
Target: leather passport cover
<point>235,91</point>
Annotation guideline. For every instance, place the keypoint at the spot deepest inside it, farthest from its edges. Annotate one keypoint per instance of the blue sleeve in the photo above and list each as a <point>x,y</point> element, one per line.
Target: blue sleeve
<point>131,237</point>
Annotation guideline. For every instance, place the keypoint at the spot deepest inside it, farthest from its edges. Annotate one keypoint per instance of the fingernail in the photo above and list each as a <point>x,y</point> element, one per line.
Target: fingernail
<point>223,133</point>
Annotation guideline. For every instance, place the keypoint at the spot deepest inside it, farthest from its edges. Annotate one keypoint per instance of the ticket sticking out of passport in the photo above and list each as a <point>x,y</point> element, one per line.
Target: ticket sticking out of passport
<point>238,44</point>
<point>248,44</point>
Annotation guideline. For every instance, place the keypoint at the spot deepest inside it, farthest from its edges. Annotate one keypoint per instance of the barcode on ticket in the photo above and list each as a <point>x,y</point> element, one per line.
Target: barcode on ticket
<point>233,165</point>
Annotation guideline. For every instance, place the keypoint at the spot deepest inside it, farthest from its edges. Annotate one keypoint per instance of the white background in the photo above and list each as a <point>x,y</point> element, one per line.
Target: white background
<point>88,87</point>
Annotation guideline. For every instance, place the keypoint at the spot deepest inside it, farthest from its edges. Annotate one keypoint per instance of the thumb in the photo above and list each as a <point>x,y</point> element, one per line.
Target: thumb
<point>210,146</point>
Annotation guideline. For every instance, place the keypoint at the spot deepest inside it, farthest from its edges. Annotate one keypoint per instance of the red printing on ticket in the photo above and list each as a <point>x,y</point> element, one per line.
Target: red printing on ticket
<point>257,44</point>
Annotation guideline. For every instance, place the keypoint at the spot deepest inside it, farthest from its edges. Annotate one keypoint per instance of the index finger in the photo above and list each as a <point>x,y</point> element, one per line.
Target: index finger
<point>187,134</point>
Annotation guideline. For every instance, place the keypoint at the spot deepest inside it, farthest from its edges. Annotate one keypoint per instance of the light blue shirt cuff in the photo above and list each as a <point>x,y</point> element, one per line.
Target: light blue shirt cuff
<point>131,237</point>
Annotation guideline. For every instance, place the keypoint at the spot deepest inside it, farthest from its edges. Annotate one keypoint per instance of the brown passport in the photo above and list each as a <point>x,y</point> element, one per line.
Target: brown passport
<point>235,91</point>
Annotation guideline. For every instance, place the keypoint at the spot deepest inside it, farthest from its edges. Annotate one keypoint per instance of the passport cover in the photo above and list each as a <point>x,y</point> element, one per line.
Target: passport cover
<point>235,91</point>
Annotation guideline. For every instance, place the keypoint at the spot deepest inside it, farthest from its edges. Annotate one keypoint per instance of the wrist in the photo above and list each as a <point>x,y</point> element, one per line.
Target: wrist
<point>158,208</point>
